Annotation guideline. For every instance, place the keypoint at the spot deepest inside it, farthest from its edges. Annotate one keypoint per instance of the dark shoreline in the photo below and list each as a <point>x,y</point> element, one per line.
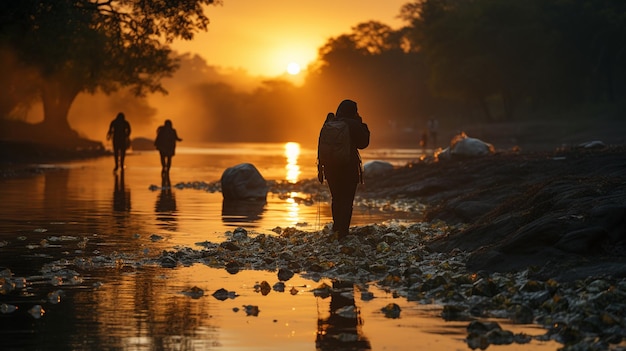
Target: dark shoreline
<point>562,213</point>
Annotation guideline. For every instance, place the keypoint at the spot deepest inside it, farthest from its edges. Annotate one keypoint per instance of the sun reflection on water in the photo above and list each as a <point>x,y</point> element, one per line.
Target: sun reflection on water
<point>292,152</point>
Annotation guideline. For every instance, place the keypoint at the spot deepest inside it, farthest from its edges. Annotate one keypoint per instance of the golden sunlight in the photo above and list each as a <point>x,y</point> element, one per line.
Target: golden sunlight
<point>293,68</point>
<point>292,152</point>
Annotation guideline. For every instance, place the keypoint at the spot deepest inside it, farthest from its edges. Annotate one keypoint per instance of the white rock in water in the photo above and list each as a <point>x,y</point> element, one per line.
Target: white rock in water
<point>6,308</point>
<point>36,311</point>
<point>596,144</point>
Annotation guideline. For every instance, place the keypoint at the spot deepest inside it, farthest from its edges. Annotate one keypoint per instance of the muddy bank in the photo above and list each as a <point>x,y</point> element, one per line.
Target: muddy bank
<point>562,212</point>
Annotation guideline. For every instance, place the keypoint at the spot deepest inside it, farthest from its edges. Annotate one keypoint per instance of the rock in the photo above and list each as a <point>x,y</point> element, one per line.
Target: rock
<point>279,287</point>
<point>223,294</point>
<point>251,310</point>
<point>264,288</point>
<point>595,144</point>
<point>194,292</point>
<point>284,274</point>
<point>463,146</point>
<point>142,144</point>
<point>36,311</point>
<point>392,310</point>
<point>243,181</point>
<point>376,168</point>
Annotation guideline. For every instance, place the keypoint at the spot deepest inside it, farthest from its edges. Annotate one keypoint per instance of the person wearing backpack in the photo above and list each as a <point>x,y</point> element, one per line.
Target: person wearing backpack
<point>165,142</point>
<point>339,162</point>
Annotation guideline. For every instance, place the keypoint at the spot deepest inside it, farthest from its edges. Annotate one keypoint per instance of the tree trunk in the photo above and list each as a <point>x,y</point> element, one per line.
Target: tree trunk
<point>57,99</point>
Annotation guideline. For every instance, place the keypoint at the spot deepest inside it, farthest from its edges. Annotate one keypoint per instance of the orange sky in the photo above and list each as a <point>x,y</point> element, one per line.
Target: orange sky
<point>263,37</point>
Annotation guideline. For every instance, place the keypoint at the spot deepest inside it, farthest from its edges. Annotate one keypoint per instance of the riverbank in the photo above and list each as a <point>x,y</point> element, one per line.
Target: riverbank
<point>534,238</point>
<point>561,211</point>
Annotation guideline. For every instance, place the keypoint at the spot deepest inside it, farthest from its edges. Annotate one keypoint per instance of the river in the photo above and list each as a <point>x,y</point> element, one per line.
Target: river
<point>80,210</point>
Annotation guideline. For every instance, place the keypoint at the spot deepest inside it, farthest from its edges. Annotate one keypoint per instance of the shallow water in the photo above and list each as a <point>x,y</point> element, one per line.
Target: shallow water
<point>81,209</point>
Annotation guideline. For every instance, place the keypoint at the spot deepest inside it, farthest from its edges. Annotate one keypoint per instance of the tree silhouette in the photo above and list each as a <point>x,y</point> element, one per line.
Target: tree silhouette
<point>89,45</point>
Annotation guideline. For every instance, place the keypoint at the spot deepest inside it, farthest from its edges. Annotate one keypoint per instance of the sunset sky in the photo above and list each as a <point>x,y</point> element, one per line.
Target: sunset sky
<point>264,37</point>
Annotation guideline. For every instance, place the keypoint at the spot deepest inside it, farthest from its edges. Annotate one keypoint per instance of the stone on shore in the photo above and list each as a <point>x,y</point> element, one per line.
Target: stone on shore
<point>243,182</point>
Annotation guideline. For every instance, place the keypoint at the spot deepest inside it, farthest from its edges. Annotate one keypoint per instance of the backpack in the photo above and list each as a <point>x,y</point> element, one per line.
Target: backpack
<point>334,142</point>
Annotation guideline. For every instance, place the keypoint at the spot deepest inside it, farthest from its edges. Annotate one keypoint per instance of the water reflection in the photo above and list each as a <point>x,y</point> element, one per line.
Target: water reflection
<point>165,207</point>
<point>292,152</point>
<point>121,194</point>
<point>55,194</point>
<point>248,211</point>
<point>131,315</point>
<point>341,330</point>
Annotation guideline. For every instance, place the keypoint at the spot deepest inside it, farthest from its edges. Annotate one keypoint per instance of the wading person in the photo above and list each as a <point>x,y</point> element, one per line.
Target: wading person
<point>339,162</point>
<point>166,144</point>
<point>119,131</point>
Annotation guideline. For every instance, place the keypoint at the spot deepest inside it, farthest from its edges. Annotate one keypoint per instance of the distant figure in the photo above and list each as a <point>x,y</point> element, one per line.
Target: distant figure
<point>166,144</point>
<point>119,130</point>
<point>344,173</point>
<point>433,125</point>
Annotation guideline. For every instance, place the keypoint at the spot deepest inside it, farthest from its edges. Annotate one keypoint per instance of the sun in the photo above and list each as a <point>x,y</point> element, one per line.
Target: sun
<point>293,68</point>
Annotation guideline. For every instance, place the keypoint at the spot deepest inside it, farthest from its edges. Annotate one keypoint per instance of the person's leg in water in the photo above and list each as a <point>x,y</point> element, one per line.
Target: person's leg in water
<point>342,185</point>
<point>163,162</point>
<point>168,163</point>
<point>116,154</point>
<point>122,157</point>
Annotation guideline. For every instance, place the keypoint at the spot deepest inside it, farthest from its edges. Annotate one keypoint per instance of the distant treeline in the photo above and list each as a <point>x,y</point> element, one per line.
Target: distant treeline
<point>462,60</point>
<point>455,60</point>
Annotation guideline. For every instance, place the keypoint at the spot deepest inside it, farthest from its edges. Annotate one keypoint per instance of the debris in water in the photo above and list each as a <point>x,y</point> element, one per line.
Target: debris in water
<point>194,292</point>
<point>7,308</point>
<point>263,287</point>
<point>223,294</point>
<point>36,311</point>
<point>251,310</point>
<point>392,310</point>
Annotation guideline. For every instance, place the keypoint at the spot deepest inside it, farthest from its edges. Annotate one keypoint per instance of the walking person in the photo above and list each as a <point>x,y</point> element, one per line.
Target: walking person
<point>339,161</point>
<point>119,131</point>
<point>166,144</point>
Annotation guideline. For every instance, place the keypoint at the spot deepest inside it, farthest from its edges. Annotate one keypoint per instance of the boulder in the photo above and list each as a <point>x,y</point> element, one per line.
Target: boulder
<point>595,144</point>
<point>243,182</point>
<point>142,144</point>
<point>376,168</point>
<point>463,146</point>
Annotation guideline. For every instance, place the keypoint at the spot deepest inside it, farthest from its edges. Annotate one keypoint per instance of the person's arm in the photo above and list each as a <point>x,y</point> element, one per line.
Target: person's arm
<point>110,132</point>
<point>359,132</point>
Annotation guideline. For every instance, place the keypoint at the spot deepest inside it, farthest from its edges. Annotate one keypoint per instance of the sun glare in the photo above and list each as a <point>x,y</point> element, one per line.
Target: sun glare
<point>293,68</point>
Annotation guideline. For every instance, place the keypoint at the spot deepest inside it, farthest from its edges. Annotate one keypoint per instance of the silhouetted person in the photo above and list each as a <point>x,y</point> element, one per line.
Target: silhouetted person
<point>344,177</point>
<point>342,329</point>
<point>121,195</point>
<point>166,144</point>
<point>119,130</point>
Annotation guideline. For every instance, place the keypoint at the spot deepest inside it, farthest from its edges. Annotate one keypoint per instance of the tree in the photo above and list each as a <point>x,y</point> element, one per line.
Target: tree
<point>88,45</point>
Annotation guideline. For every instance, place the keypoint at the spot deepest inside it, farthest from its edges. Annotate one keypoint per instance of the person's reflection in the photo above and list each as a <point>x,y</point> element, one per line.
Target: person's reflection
<point>165,207</point>
<point>342,329</point>
<point>121,194</point>
<point>248,211</point>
